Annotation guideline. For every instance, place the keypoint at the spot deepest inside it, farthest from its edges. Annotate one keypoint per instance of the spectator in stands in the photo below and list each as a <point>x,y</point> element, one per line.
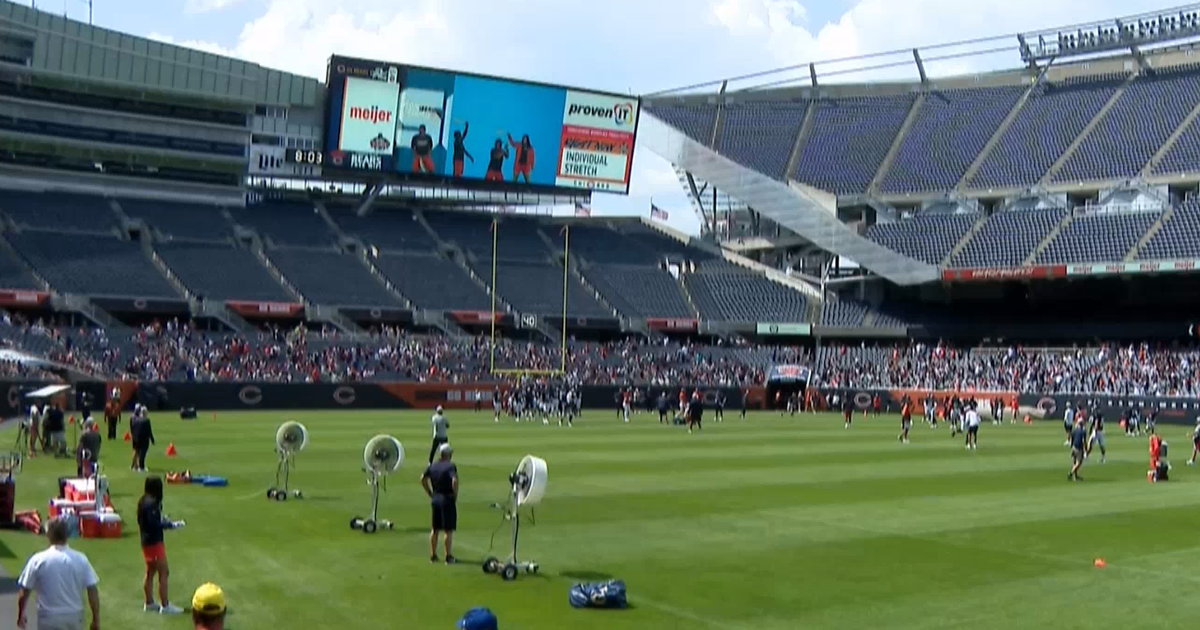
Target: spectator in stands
<point>208,607</point>
<point>59,575</point>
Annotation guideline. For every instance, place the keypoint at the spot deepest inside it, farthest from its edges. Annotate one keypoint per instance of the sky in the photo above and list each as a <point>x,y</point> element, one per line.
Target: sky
<point>627,46</point>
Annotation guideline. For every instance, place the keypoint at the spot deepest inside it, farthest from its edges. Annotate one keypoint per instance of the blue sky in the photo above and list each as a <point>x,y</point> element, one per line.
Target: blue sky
<point>634,46</point>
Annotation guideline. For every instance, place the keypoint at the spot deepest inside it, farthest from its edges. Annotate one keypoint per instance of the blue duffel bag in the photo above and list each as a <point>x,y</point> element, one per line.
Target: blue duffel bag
<point>610,594</point>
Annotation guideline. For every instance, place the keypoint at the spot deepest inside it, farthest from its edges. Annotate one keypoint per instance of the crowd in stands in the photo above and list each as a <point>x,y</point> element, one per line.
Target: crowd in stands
<point>176,351</point>
<point>1126,370</point>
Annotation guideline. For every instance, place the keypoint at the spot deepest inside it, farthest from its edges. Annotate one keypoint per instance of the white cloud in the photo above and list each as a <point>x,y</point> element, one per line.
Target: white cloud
<point>207,6</point>
<point>634,45</point>
<point>210,47</point>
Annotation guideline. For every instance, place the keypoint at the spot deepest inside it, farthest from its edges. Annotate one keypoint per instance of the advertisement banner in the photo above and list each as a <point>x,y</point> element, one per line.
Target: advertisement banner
<point>1005,273</point>
<point>437,124</point>
<point>368,116</point>
<point>1155,266</point>
<point>265,309</point>
<point>23,298</point>
<point>677,325</point>
<point>767,328</point>
<point>480,317</point>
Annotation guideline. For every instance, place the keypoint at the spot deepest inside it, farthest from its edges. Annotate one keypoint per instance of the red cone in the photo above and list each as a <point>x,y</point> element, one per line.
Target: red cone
<point>128,437</point>
<point>171,452</point>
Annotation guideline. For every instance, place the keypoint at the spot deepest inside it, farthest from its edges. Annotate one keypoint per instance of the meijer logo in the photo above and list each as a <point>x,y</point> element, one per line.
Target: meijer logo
<point>373,114</point>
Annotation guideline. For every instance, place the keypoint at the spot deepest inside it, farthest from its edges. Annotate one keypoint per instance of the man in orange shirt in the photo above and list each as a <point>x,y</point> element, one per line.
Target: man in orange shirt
<point>905,419</point>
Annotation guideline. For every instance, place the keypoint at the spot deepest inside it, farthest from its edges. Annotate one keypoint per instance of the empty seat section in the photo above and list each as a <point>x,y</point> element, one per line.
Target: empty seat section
<point>696,121</point>
<point>64,212</point>
<point>1178,238</point>
<point>950,130</point>
<point>760,134</point>
<point>14,274</point>
<point>517,240</point>
<point>221,272</point>
<point>1051,118</point>
<point>639,291</point>
<point>385,228</point>
<point>329,277</point>
<point>1184,155</point>
<point>849,139</point>
<point>538,288</point>
<point>843,313</point>
<point>928,238</point>
<point>433,282</point>
<point>604,245</point>
<point>1008,238</point>
<point>180,220</point>
<point>725,293</point>
<point>290,223</point>
<point>92,264</point>
<point>1098,238</point>
<point>1130,133</point>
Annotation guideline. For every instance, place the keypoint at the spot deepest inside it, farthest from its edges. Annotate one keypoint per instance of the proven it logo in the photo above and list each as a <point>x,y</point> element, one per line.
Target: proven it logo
<point>372,114</point>
<point>621,114</point>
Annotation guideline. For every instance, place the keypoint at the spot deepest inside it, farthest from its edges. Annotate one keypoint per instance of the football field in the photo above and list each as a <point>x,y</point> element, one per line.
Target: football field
<point>768,524</point>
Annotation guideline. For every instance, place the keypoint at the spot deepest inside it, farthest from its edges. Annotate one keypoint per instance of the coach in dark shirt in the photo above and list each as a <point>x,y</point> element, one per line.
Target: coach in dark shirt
<point>89,448</point>
<point>440,481</point>
<point>143,436</point>
<point>54,426</point>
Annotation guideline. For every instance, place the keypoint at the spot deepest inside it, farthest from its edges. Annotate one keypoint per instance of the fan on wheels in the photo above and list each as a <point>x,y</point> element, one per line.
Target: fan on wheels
<point>291,438</point>
<point>528,483</point>
<point>382,456</point>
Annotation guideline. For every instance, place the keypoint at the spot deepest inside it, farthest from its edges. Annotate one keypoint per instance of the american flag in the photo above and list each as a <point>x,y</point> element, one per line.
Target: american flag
<point>658,213</point>
<point>583,210</point>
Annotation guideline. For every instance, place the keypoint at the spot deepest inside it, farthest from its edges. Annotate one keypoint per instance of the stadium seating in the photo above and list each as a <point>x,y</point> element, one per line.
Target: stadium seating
<point>1097,238</point>
<point>1051,118</point>
<point>849,139</point>
<point>607,246</point>
<point>290,223</point>
<point>1179,237</point>
<point>179,220</point>
<point>518,237</point>
<point>1138,124</point>
<point>639,291</point>
<point>843,313</point>
<point>950,130</point>
<point>694,120</point>
<point>760,134</point>
<point>14,275</point>
<point>385,228</point>
<point>330,277</point>
<point>1184,155</point>
<point>1008,238</point>
<point>61,212</point>
<point>433,282</point>
<point>928,237</point>
<point>92,264</point>
<point>221,272</point>
<point>725,292</point>
<point>532,287</point>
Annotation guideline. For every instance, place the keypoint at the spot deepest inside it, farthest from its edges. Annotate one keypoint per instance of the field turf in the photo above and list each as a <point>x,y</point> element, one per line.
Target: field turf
<point>769,524</point>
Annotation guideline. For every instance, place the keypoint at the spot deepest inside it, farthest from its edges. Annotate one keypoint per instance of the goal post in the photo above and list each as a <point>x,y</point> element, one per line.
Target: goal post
<point>566,278</point>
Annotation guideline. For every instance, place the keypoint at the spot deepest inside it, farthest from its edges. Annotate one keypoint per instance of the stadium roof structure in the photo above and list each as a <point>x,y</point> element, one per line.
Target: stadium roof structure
<point>691,126</point>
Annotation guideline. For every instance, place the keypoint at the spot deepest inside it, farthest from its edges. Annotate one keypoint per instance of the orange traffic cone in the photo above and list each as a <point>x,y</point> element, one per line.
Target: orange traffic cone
<point>171,452</point>
<point>1028,420</point>
<point>71,420</point>
<point>128,437</point>
<point>1100,563</point>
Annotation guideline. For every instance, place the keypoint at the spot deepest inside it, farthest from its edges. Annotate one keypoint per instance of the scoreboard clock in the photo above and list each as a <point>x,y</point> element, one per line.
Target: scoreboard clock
<point>305,156</point>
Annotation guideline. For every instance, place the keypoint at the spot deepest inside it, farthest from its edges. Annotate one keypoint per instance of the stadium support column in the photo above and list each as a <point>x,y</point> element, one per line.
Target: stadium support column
<point>920,66</point>
<point>566,270</point>
<point>492,343</point>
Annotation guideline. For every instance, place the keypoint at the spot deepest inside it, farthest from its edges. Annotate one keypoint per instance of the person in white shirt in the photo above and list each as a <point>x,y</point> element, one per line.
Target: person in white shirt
<point>441,433</point>
<point>972,422</point>
<point>59,575</point>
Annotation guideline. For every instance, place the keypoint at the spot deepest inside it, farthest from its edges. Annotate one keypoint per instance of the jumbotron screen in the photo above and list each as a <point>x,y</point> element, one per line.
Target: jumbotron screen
<point>449,126</point>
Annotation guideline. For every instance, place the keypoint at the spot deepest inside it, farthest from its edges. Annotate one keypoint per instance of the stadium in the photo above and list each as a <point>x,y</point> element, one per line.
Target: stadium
<point>232,249</point>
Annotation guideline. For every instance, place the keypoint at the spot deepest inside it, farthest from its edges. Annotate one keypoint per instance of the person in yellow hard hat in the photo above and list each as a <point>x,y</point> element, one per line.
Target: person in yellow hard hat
<point>208,607</point>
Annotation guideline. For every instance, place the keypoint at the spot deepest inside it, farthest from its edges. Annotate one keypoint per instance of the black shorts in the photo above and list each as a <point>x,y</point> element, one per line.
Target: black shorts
<point>445,514</point>
<point>973,430</point>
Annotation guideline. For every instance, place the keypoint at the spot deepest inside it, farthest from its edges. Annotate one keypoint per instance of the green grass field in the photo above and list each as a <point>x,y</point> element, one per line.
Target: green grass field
<point>766,524</point>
